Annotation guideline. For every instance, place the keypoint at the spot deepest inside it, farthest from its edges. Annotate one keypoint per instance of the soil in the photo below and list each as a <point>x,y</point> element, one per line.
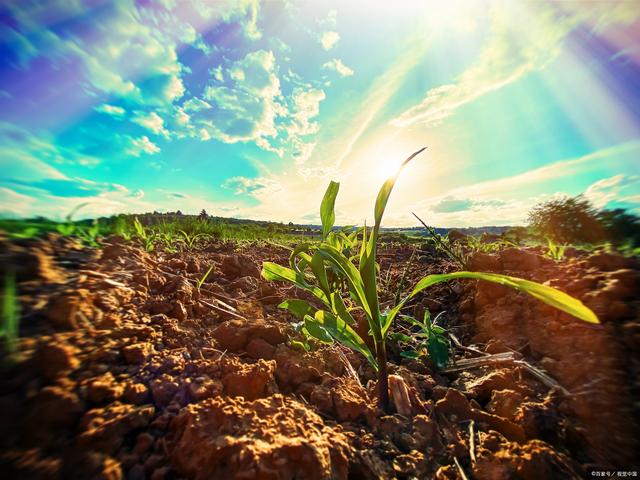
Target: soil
<point>127,370</point>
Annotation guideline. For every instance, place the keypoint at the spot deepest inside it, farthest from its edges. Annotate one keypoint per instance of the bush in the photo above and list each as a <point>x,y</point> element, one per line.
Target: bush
<point>567,220</point>
<point>622,227</point>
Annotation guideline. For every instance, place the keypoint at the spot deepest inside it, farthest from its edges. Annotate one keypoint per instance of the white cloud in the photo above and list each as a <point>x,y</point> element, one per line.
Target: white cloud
<point>337,65</point>
<point>256,187</point>
<point>329,39</point>
<point>619,188</point>
<point>246,108</point>
<point>141,145</point>
<point>112,110</point>
<point>151,121</point>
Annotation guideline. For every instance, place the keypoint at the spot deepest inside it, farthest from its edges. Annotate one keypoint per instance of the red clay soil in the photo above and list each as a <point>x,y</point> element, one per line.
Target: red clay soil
<point>127,370</point>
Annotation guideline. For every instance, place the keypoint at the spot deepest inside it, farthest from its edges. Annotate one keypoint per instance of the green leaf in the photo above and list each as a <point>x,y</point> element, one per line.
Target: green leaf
<point>327,213</point>
<point>317,330</point>
<point>438,349</point>
<point>298,308</point>
<point>351,273</point>
<point>400,337</point>
<point>549,295</point>
<point>344,334</point>
<point>412,354</point>
<point>274,272</point>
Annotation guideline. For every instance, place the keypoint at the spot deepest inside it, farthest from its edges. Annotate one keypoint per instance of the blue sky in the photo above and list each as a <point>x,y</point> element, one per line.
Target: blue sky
<point>249,108</point>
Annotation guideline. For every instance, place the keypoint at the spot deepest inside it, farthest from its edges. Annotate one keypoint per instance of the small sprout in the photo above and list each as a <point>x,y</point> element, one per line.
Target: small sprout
<point>204,278</point>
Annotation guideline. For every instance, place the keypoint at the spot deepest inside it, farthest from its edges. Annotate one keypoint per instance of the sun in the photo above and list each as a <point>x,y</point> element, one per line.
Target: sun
<point>386,168</point>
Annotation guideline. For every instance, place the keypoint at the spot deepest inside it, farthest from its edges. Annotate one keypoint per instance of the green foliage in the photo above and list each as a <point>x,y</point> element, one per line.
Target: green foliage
<point>431,341</point>
<point>10,314</point>
<point>555,251</point>
<point>28,232</point>
<point>353,288</point>
<point>204,278</point>
<point>623,228</point>
<point>567,220</point>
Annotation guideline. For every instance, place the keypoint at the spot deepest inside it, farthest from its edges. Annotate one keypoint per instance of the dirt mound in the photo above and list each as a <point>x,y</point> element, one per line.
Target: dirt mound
<point>271,438</point>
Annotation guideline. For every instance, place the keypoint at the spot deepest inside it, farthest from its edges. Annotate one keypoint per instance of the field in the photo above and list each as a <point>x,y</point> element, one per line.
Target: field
<point>157,347</point>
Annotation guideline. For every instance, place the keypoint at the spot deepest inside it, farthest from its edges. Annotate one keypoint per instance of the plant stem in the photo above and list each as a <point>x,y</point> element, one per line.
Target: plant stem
<point>383,377</point>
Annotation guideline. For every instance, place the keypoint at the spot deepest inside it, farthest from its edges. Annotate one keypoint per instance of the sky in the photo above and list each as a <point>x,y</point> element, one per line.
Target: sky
<point>248,109</point>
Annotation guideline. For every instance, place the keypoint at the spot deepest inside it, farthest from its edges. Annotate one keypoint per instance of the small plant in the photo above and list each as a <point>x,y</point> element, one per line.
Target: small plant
<point>28,232</point>
<point>191,240</point>
<point>204,278</point>
<point>89,235</point>
<point>10,314</point>
<point>554,250</point>
<point>432,341</point>
<point>321,269</point>
<point>148,239</point>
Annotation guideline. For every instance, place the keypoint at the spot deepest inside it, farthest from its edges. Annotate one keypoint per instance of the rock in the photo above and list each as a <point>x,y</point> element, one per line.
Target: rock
<point>144,442</point>
<point>138,353</point>
<point>204,387</point>
<point>519,259</point>
<point>457,407</point>
<point>234,266</point>
<point>181,290</point>
<point>86,464</point>
<point>233,335</point>
<point>70,310</point>
<point>163,390</point>
<point>104,429</point>
<point>179,312</point>
<point>505,403</point>
<point>484,262</point>
<point>56,359</point>
<point>532,460</point>
<point>270,438</point>
<point>245,284</point>
<point>136,393</point>
<point>342,398</point>
<point>260,348</point>
<point>250,381</point>
<point>54,406</point>
<point>607,261</point>
<point>104,388</point>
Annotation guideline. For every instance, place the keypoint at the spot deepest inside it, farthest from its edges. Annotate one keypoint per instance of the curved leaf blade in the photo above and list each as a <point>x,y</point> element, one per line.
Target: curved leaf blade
<point>327,212</point>
<point>549,295</point>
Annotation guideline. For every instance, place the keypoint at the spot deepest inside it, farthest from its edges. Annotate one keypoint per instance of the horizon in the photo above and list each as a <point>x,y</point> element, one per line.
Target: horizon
<point>248,109</point>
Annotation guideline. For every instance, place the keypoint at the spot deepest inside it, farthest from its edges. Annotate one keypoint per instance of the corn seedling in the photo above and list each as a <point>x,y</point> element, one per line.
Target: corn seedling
<point>191,240</point>
<point>309,267</point>
<point>204,278</point>
<point>432,341</point>
<point>90,235</point>
<point>148,239</point>
<point>554,250</point>
<point>10,314</point>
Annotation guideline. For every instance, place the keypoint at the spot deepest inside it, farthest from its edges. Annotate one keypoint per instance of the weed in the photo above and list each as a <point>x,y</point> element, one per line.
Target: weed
<point>321,269</point>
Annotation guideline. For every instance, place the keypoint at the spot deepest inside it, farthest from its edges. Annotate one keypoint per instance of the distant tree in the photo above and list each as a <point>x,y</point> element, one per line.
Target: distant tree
<point>621,226</point>
<point>203,214</point>
<point>567,220</point>
<point>178,213</point>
